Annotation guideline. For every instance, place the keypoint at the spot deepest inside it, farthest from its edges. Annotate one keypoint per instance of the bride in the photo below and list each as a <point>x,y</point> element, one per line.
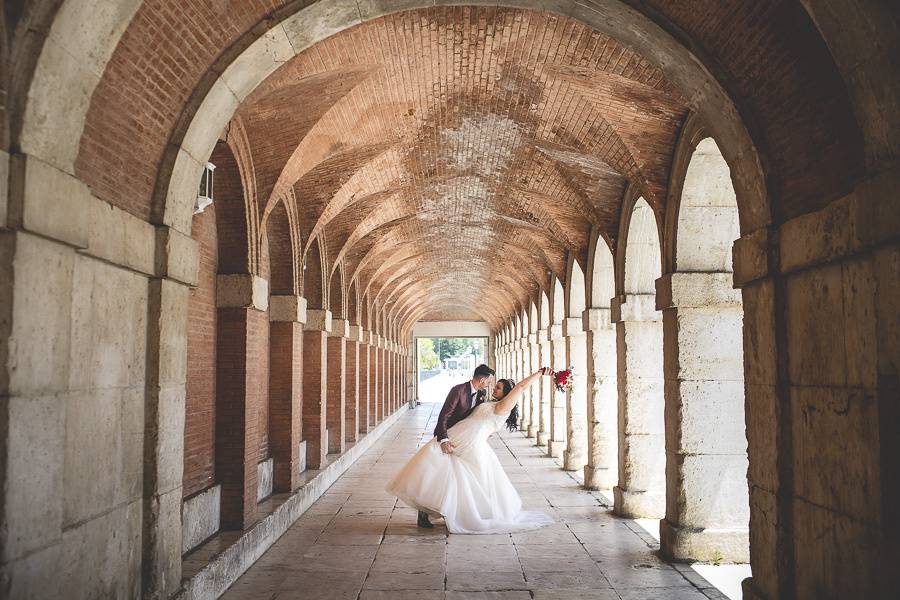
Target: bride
<point>469,487</point>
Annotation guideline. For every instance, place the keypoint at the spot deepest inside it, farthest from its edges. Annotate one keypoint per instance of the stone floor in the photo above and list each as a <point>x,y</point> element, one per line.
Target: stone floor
<point>358,542</point>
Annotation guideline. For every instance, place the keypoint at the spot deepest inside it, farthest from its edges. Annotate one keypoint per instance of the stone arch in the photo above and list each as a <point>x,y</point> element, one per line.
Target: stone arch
<point>639,339</point>
<point>704,367</point>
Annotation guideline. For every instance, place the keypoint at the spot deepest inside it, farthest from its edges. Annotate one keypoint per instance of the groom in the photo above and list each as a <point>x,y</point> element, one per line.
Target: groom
<point>460,402</point>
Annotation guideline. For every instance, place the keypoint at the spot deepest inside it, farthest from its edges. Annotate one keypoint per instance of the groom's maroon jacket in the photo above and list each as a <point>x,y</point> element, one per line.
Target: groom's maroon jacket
<point>455,409</point>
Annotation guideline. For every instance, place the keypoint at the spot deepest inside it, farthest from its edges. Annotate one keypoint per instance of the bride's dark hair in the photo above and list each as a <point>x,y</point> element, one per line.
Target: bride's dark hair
<point>512,422</point>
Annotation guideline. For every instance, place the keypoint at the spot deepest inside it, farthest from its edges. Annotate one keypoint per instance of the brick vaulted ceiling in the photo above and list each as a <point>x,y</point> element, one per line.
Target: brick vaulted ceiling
<point>457,155</point>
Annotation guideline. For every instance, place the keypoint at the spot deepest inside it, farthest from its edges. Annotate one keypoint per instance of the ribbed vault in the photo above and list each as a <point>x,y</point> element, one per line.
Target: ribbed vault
<point>452,159</point>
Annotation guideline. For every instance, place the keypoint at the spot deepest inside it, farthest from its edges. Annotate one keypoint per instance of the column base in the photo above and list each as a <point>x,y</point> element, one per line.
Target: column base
<point>705,545</point>
<point>573,462</point>
<point>600,479</point>
<point>532,431</point>
<point>638,505</point>
<point>555,448</point>
<point>750,591</point>
<point>541,438</point>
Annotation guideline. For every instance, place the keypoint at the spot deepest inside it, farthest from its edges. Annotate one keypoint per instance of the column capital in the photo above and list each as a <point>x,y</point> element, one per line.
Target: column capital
<point>287,309</point>
<point>242,291</point>
<point>318,320</point>
<point>555,331</point>
<point>689,290</point>
<point>532,338</point>
<point>356,333</point>
<point>634,307</point>
<point>542,336</point>
<point>340,328</point>
<point>572,326</point>
<point>594,319</point>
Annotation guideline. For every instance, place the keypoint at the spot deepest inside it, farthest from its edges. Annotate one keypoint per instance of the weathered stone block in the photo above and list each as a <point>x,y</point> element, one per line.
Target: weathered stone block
<point>33,477</point>
<point>751,257</point>
<point>103,457</point>
<point>242,291</point>
<point>831,426</point>
<point>760,356</point>
<point>706,235</point>
<point>178,257</point>
<point>287,308</point>
<point>4,188</point>
<point>709,544</point>
<point>704,344</point>
<point>860,321</point>
<point>255,63</point>
<point>104,553</point>
<point>41,316</point>
<point>212,116</point>
<point>109,326</point>
<point>35,576</point>
<point>264,479</point>
<point>170,356</point>
<point>56,204</point>
<point>706,417</point>
<point>696,290</point>
<point>318,21</point>
<point>120,238</point>
<point>200,517</point>
<point>761,412</point>
<point>816,336</point>
<point>708,491</point>
<point>182,192</point>
<point>320,320</point>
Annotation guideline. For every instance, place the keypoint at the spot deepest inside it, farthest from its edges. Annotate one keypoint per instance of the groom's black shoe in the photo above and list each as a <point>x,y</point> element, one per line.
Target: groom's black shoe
<point>423,521</point>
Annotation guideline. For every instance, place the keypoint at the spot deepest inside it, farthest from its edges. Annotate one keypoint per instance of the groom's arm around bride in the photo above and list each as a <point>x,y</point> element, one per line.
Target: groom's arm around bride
<point>460,401</point>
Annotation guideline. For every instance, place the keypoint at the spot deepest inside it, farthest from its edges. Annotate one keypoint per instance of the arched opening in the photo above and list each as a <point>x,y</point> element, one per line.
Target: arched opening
<point>545,359</point>
<point>556,445</point>
<point>707,505</point>
<point>639,338</point>
<point>575,457</point>
<point>285,426</point>
<point>601,470</point>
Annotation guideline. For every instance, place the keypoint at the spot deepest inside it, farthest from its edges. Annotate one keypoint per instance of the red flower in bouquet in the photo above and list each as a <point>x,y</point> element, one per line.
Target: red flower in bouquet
<point>563,380</point>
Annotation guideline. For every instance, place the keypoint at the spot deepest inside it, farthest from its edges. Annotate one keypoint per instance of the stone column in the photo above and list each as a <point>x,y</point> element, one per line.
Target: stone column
<point>535,392</point>
<point>375,394</point>
<point>164,405</point>
<point>287,314</point>
<point>241,302</point>
<point>383,378</point>
<point>525,402</point>
<point>351,388</point>
<point>556,444</point>
<point>337,386</point>
<point>601,470</point>
<point>518,369</point>
<point>315,386</point>
<point>545,359</point>
<point>707,503</point>
<point>366,409</point>
<point>576,409</point>
<point>641,488</point>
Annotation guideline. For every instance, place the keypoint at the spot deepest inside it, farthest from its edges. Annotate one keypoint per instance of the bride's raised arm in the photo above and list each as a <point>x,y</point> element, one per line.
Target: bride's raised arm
<point>506,404</point>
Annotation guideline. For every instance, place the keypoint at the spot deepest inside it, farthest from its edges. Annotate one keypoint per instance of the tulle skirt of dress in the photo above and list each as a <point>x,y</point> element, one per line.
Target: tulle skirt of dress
<point>469,488</point>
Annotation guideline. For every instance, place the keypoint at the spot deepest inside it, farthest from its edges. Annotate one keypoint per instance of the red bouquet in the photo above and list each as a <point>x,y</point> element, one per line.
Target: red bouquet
<point>563,380</point>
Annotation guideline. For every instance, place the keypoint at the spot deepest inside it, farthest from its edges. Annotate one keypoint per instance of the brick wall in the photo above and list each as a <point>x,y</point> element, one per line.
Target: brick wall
<point>337,364</point>
<point>200,400</point>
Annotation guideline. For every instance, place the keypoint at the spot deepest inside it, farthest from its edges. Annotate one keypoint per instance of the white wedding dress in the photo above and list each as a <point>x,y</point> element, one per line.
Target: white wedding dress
<point>469,488</point>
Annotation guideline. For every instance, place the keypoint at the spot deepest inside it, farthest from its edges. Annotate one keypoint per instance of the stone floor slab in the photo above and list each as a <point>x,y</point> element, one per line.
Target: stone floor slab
<point>358,543</point>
